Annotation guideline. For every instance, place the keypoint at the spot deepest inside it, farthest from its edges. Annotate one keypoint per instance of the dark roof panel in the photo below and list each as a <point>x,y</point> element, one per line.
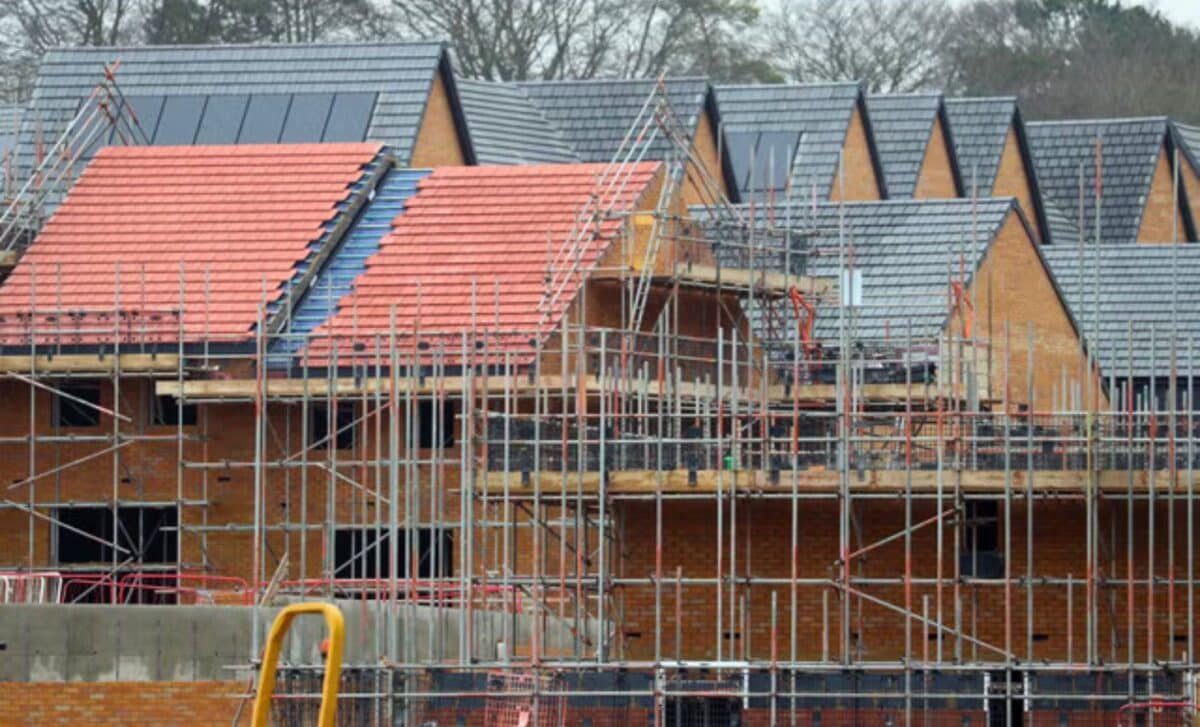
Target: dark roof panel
<point>903,126</point>
<point>10,120</point>
<point>979,127</point>
<point>594,117</point>
<point>1140,285</point>
<point>1064,155</point>
<point>400,73</point>
<point>818,113</point>
<point>905,250</point>
<point>506,127</point>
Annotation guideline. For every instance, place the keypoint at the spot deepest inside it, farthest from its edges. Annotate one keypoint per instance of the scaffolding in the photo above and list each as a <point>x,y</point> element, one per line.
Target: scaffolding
<point>722,518</point>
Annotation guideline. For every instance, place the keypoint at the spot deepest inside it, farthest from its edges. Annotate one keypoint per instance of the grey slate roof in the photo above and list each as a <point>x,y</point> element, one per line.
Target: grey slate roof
<point>1061,229</point>
<point>905,250</point>
<point>979,127</point>
<point>1188,138</point>
<point>10,121</point>
<point>1190,134</point>
<point>819,113</point>
<point>1137,292</point>
<point>903,126</point>
<point>594,116</point>
<point>400,74</point>
<point>1130,152</point>
<point>506,128</point>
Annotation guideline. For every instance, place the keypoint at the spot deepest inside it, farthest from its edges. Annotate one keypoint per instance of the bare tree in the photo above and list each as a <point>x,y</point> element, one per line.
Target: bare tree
<point>891,45</point>
<point>30,27</point>
<point>694,37</point>
<point>44,24</point>
<point>307,21</point>
<point>548,39</point>
<point>248,21</point>
<point>516,39</point>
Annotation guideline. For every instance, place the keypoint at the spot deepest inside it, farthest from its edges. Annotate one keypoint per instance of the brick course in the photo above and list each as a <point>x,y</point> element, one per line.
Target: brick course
<point>122,704</point>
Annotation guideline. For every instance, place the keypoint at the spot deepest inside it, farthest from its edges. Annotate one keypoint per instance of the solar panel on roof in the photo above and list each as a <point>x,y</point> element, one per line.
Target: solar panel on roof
<point>146,110</point>
<point>741,146</point>
<point>222,119</point>
<point>349,117</point>
<point>179,121</point>
<point>88,110</point>
<point>769,152</point>
<point>306,117</point>
<point>263,122</point>
<point>773,159</point>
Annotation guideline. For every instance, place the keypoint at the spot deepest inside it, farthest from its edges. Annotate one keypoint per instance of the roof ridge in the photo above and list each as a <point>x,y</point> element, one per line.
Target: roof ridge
<point>246,46</point>
<point>950,99</point>
<point>916,94</point>
<point>953,201</point>
<point>1130,246</point>
<point>785,84</point>
<point>567,81</point>
<point>1115,120</point>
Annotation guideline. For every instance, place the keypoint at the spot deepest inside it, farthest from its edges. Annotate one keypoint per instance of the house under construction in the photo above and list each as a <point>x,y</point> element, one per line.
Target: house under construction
<point>661,439</point>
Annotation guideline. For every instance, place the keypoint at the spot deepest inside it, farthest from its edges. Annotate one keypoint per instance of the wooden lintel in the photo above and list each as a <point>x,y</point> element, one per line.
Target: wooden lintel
<point>91,363</point>
<point>1066,482</point>
<point>762,280</point>
<point>520,385</point>
<point>732,280</point>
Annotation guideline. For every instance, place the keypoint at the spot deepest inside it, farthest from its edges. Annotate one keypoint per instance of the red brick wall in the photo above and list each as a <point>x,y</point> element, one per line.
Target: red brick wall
<point>120,704</point>
<point>763,547</point>
<point>763,551</point>
<point>147,472</point>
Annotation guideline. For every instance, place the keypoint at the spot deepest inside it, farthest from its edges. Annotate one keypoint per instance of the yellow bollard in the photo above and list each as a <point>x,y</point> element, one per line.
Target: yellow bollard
<point>333,661</point>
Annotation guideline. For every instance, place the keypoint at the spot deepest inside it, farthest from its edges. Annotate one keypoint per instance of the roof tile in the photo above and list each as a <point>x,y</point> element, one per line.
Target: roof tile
<point>819,113</point>
<point>477,233</point>
<point>141,229</point>
<point>1064,157</point>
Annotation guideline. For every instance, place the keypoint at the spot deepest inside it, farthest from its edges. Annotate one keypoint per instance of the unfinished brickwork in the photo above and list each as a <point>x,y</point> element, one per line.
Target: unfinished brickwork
<point>124,704</point>
<point>1026,320</point>
<point>1012,180</point>
<point>861,178</point>
<point>438,142</point>
<point>1162,218</point>
<point>936,178</point>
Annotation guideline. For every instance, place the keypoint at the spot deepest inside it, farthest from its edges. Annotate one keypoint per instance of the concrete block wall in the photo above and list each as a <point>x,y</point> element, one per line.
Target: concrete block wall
<point>96,643</point>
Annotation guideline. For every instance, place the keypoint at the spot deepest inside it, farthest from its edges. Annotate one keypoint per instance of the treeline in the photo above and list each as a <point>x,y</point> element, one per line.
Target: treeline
<point>1061,57</point>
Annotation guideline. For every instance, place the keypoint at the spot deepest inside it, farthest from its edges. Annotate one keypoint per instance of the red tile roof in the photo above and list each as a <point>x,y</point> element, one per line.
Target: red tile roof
<point>487,229</point>
<point>221,219</point>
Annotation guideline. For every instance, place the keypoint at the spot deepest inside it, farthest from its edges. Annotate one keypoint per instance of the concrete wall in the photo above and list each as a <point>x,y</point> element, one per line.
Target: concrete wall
<point>200,643</point>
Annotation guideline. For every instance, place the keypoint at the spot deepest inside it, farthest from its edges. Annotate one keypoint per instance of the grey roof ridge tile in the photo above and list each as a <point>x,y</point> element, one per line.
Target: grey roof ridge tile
<point>249,46</point>
<point>580,81</point>
<point>1104,121</point>
<point>980,99</point>
<point>787,84</point>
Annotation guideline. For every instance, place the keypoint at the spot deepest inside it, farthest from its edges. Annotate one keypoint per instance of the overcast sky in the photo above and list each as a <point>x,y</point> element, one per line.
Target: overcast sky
<point>1183,12</point>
